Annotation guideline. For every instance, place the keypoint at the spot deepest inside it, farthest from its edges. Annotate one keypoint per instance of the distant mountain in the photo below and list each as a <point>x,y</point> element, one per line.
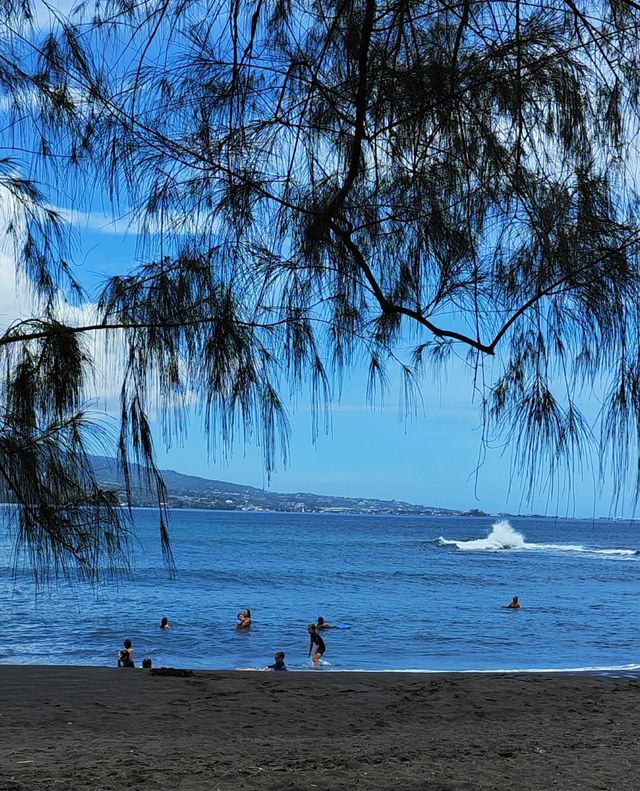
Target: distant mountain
<point>190,491</point>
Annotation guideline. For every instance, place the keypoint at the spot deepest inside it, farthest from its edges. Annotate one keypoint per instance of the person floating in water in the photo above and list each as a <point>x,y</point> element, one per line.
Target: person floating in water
<point>244,619</point>
<point>164,623</point>
<point>279,663</point>
<point>514,604</point>
<point>316,644</point>
<point>322,624</point>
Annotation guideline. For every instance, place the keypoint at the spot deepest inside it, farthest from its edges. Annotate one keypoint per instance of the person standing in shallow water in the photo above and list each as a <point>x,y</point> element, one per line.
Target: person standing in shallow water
<point>125,655</point>
<point>316,644</point>
<point>164,623</point>
<point>129,648</point>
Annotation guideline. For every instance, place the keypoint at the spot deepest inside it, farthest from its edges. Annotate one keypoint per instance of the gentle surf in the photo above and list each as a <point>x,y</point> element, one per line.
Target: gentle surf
<point>419,594</point>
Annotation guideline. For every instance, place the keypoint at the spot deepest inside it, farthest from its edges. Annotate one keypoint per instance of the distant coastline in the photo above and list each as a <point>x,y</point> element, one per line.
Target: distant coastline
<point>191,491</point>
<point>332,511</point>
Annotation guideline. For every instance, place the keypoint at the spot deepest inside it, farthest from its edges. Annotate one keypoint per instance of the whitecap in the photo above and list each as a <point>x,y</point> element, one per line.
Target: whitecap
<point>502,536</point>
<point>633,668</point>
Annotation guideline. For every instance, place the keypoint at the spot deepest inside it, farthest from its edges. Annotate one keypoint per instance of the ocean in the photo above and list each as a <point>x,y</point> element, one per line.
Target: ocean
<point>410,593</point>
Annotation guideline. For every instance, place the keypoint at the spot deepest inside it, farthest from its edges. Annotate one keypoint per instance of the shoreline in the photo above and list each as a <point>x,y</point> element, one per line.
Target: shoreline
<point>104,728</point>
<point>630,670</point>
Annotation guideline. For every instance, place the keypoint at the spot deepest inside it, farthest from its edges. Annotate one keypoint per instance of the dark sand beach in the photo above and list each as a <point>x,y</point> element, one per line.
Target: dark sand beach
<point>102,728</point>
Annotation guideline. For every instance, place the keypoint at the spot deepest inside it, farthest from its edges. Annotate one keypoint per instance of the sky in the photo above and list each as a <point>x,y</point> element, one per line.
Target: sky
<point>435,458</point>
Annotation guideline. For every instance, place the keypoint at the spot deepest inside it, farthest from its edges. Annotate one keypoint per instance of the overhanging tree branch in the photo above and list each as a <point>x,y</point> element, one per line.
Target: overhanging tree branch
<point>340,184</point>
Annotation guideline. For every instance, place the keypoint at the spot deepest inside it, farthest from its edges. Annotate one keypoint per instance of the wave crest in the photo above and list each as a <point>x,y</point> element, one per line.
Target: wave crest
<point>503,537</point>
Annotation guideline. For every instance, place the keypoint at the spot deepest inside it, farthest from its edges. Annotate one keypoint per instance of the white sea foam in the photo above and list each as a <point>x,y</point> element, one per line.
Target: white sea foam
<point>633,669</point>
<point>503,537</point>
<point>630,668</point>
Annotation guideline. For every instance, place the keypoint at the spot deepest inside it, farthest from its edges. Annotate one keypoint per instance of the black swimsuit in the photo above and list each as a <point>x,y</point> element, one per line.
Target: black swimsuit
<point>319,642</point>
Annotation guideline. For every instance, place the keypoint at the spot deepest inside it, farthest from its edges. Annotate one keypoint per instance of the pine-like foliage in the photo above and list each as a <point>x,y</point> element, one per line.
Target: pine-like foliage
<point>324,183</point>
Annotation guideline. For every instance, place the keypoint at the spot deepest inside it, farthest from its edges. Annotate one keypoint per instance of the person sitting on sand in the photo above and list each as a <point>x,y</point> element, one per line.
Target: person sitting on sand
<point>164,623</point>
<point>316,644</point>
<point>279,663</point>
<point>244,619</point>
<point>514,604</point>
<point>322,624</point>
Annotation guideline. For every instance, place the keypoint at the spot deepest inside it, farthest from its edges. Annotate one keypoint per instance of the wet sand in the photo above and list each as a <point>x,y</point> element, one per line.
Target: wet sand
<point>103,728</point>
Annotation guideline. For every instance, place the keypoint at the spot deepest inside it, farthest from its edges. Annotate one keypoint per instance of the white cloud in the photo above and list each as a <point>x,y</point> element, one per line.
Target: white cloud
<point>15,300</point>
<point>17,303</point>
<point>126,223</point>
<point>99,221</point>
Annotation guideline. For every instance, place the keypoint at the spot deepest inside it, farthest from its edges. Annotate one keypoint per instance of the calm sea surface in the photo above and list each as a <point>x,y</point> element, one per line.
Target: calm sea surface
<point>416,594</point>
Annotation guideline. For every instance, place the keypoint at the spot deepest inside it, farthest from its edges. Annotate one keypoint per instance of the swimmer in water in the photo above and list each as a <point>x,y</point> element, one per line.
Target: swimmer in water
<point>244,619</point>
<point>279,663</point>
<point>323,625</point>
<point>514,604</point>
<point>164,623</point>
<point>316,644</point>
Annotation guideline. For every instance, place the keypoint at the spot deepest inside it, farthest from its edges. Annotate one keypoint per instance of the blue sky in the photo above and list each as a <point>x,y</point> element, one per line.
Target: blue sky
<point>430,458</point>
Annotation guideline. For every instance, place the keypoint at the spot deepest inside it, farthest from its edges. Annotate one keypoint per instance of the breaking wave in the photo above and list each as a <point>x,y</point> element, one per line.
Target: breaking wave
<point>503,537</point>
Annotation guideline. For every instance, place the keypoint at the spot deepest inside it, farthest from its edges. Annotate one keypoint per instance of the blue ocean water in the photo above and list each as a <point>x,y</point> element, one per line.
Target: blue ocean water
<point>418,593</point>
